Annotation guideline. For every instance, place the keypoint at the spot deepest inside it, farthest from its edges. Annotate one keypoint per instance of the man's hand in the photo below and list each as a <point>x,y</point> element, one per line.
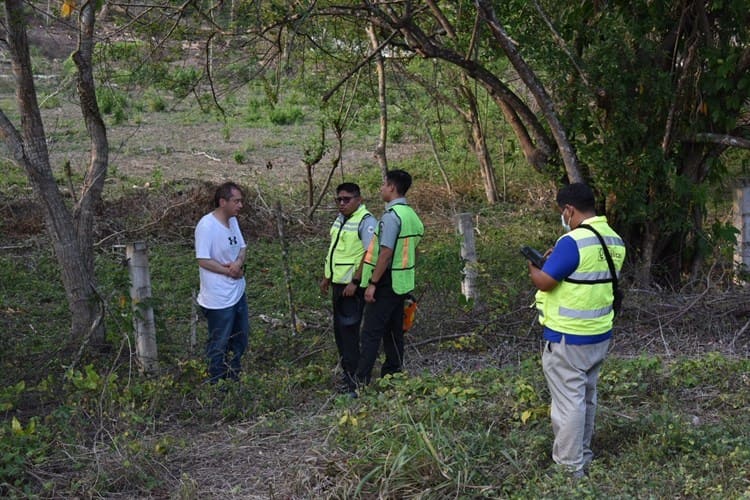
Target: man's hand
<point>235,270</point>
<point>350,290</point>
<point>324,286</point>
<point>541,280</point>
<point>370,293</point>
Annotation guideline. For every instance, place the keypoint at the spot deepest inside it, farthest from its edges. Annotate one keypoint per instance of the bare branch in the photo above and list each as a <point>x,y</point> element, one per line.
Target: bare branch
<point>441,18</point>
<point>723,139</point>
<point>536,88</point>
<point>356,68</point>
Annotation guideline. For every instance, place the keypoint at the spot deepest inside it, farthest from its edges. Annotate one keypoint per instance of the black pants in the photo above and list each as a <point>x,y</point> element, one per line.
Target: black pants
<point>383,321</point>
<point>346,331</point>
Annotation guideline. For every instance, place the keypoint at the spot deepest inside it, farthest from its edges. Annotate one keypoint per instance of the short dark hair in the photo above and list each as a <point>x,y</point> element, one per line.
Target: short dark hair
<point>399,178</point>
<point>349,187</point>
<point>578,195</point>
<point>224,192</point>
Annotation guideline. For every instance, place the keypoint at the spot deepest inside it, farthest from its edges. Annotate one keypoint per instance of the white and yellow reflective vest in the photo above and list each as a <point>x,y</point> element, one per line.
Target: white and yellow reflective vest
<point>582,303</point>
<point>345,251</point>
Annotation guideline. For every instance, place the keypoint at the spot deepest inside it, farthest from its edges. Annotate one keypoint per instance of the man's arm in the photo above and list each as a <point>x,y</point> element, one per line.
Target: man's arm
<point>233,269</point>
<point>560,262</point>
<point>381,267</point>
<point>541,280</point>
<point>366,233</point>
<point>213,266</point>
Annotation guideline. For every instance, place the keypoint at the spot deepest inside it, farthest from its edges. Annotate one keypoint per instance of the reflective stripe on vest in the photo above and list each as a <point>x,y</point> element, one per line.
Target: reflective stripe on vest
<point>345,251</point>
<point>404,255</point>
<point>582,303</point>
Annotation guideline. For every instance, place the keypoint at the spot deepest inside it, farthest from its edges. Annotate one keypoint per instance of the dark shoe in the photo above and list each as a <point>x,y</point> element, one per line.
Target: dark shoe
<point>558,472</point>
<point>578,474</point>
<point>346,389</point>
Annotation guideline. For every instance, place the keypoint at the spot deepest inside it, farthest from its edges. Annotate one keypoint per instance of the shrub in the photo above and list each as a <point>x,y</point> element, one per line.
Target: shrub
<point>286,115</point>
<point>112,101</point>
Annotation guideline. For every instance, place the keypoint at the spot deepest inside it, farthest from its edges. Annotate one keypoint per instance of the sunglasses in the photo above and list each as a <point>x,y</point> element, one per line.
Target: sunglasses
<point>344,199</point>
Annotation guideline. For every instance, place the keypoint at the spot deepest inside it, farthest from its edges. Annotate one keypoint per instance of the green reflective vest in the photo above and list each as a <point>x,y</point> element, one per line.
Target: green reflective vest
<point>582,303</point>
<point>345,251</point>
<point>404,255</point>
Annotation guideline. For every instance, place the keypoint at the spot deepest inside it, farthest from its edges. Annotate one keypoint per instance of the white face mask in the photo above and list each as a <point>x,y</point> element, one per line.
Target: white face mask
<point>565,225</point>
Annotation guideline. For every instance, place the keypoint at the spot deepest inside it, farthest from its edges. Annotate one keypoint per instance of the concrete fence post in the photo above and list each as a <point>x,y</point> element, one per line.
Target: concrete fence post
<point>468,256</point>
<point>143,311</point>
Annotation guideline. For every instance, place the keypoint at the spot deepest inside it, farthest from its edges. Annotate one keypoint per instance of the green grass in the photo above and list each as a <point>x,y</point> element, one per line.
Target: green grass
<point>464,435</point>
<point>666,427</point>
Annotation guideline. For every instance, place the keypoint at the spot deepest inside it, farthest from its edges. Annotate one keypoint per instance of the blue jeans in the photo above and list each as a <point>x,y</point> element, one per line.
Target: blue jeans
<point>228,332</point>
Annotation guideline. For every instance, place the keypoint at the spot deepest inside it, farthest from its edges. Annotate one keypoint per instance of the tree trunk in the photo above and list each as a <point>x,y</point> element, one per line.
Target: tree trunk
<point>535,143</point>
<point>71,232</point>
<point>643,272</point>
<point>380,149</point>
<point>569,157</point>
<point>479,145</point>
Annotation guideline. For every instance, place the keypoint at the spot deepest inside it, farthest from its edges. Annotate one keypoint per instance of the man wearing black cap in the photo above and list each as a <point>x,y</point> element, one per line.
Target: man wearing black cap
<point>350,235</point>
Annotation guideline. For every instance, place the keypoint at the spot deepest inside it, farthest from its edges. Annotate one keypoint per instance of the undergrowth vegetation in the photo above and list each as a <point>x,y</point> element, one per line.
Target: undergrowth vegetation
<point>469,419</point>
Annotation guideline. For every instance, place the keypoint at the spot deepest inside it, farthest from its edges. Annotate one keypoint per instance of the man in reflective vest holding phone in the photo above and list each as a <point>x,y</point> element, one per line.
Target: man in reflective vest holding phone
<point>575,305</point>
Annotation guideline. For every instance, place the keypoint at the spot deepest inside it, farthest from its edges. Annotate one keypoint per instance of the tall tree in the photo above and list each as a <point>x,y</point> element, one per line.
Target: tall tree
<point>640,99</point>
<point>70,228</point>
<point>653,94</point>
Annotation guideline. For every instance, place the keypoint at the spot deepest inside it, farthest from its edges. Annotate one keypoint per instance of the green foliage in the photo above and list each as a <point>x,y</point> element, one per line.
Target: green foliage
<point>155,103</point>
<point>666,427</point>
<point>633,135</point>
<point>33,305</point>
<point>23,444</point>
<point>51,101</point>
<point>624,377</point>
<point>11,176</point>
<point>453,433</point>
<point>286,115</point>
<point>182,81</point>
<point>464,433</point>
<point>396,132</point>
<point>113,102</point>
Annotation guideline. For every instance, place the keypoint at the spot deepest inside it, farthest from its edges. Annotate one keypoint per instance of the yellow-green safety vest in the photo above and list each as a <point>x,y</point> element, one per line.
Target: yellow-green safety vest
<point>404,255</point>
<point>345,251</point>
<point>582,303</point>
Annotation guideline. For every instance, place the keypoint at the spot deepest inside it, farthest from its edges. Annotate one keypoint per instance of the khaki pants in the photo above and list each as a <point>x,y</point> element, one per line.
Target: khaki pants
<point>572,372</point>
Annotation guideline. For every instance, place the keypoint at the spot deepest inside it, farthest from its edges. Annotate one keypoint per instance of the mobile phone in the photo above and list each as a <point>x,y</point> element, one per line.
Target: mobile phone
<point>534,255</point>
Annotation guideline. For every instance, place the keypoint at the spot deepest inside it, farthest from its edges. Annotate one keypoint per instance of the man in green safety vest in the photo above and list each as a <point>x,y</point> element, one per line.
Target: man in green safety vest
<point>575,305</point>
<point>388,275</point>
<point>351,233</point>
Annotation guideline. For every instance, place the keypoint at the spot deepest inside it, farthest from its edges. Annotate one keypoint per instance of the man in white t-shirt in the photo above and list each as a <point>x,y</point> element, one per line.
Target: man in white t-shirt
<point>220,250</point>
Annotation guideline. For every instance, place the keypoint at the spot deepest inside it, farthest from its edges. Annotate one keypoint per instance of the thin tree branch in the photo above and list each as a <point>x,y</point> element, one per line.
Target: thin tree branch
<point>723,139</point>
<point>356,68</point>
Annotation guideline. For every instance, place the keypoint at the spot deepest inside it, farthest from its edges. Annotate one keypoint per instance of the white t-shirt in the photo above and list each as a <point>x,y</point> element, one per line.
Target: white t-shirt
<point>213,240</point>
